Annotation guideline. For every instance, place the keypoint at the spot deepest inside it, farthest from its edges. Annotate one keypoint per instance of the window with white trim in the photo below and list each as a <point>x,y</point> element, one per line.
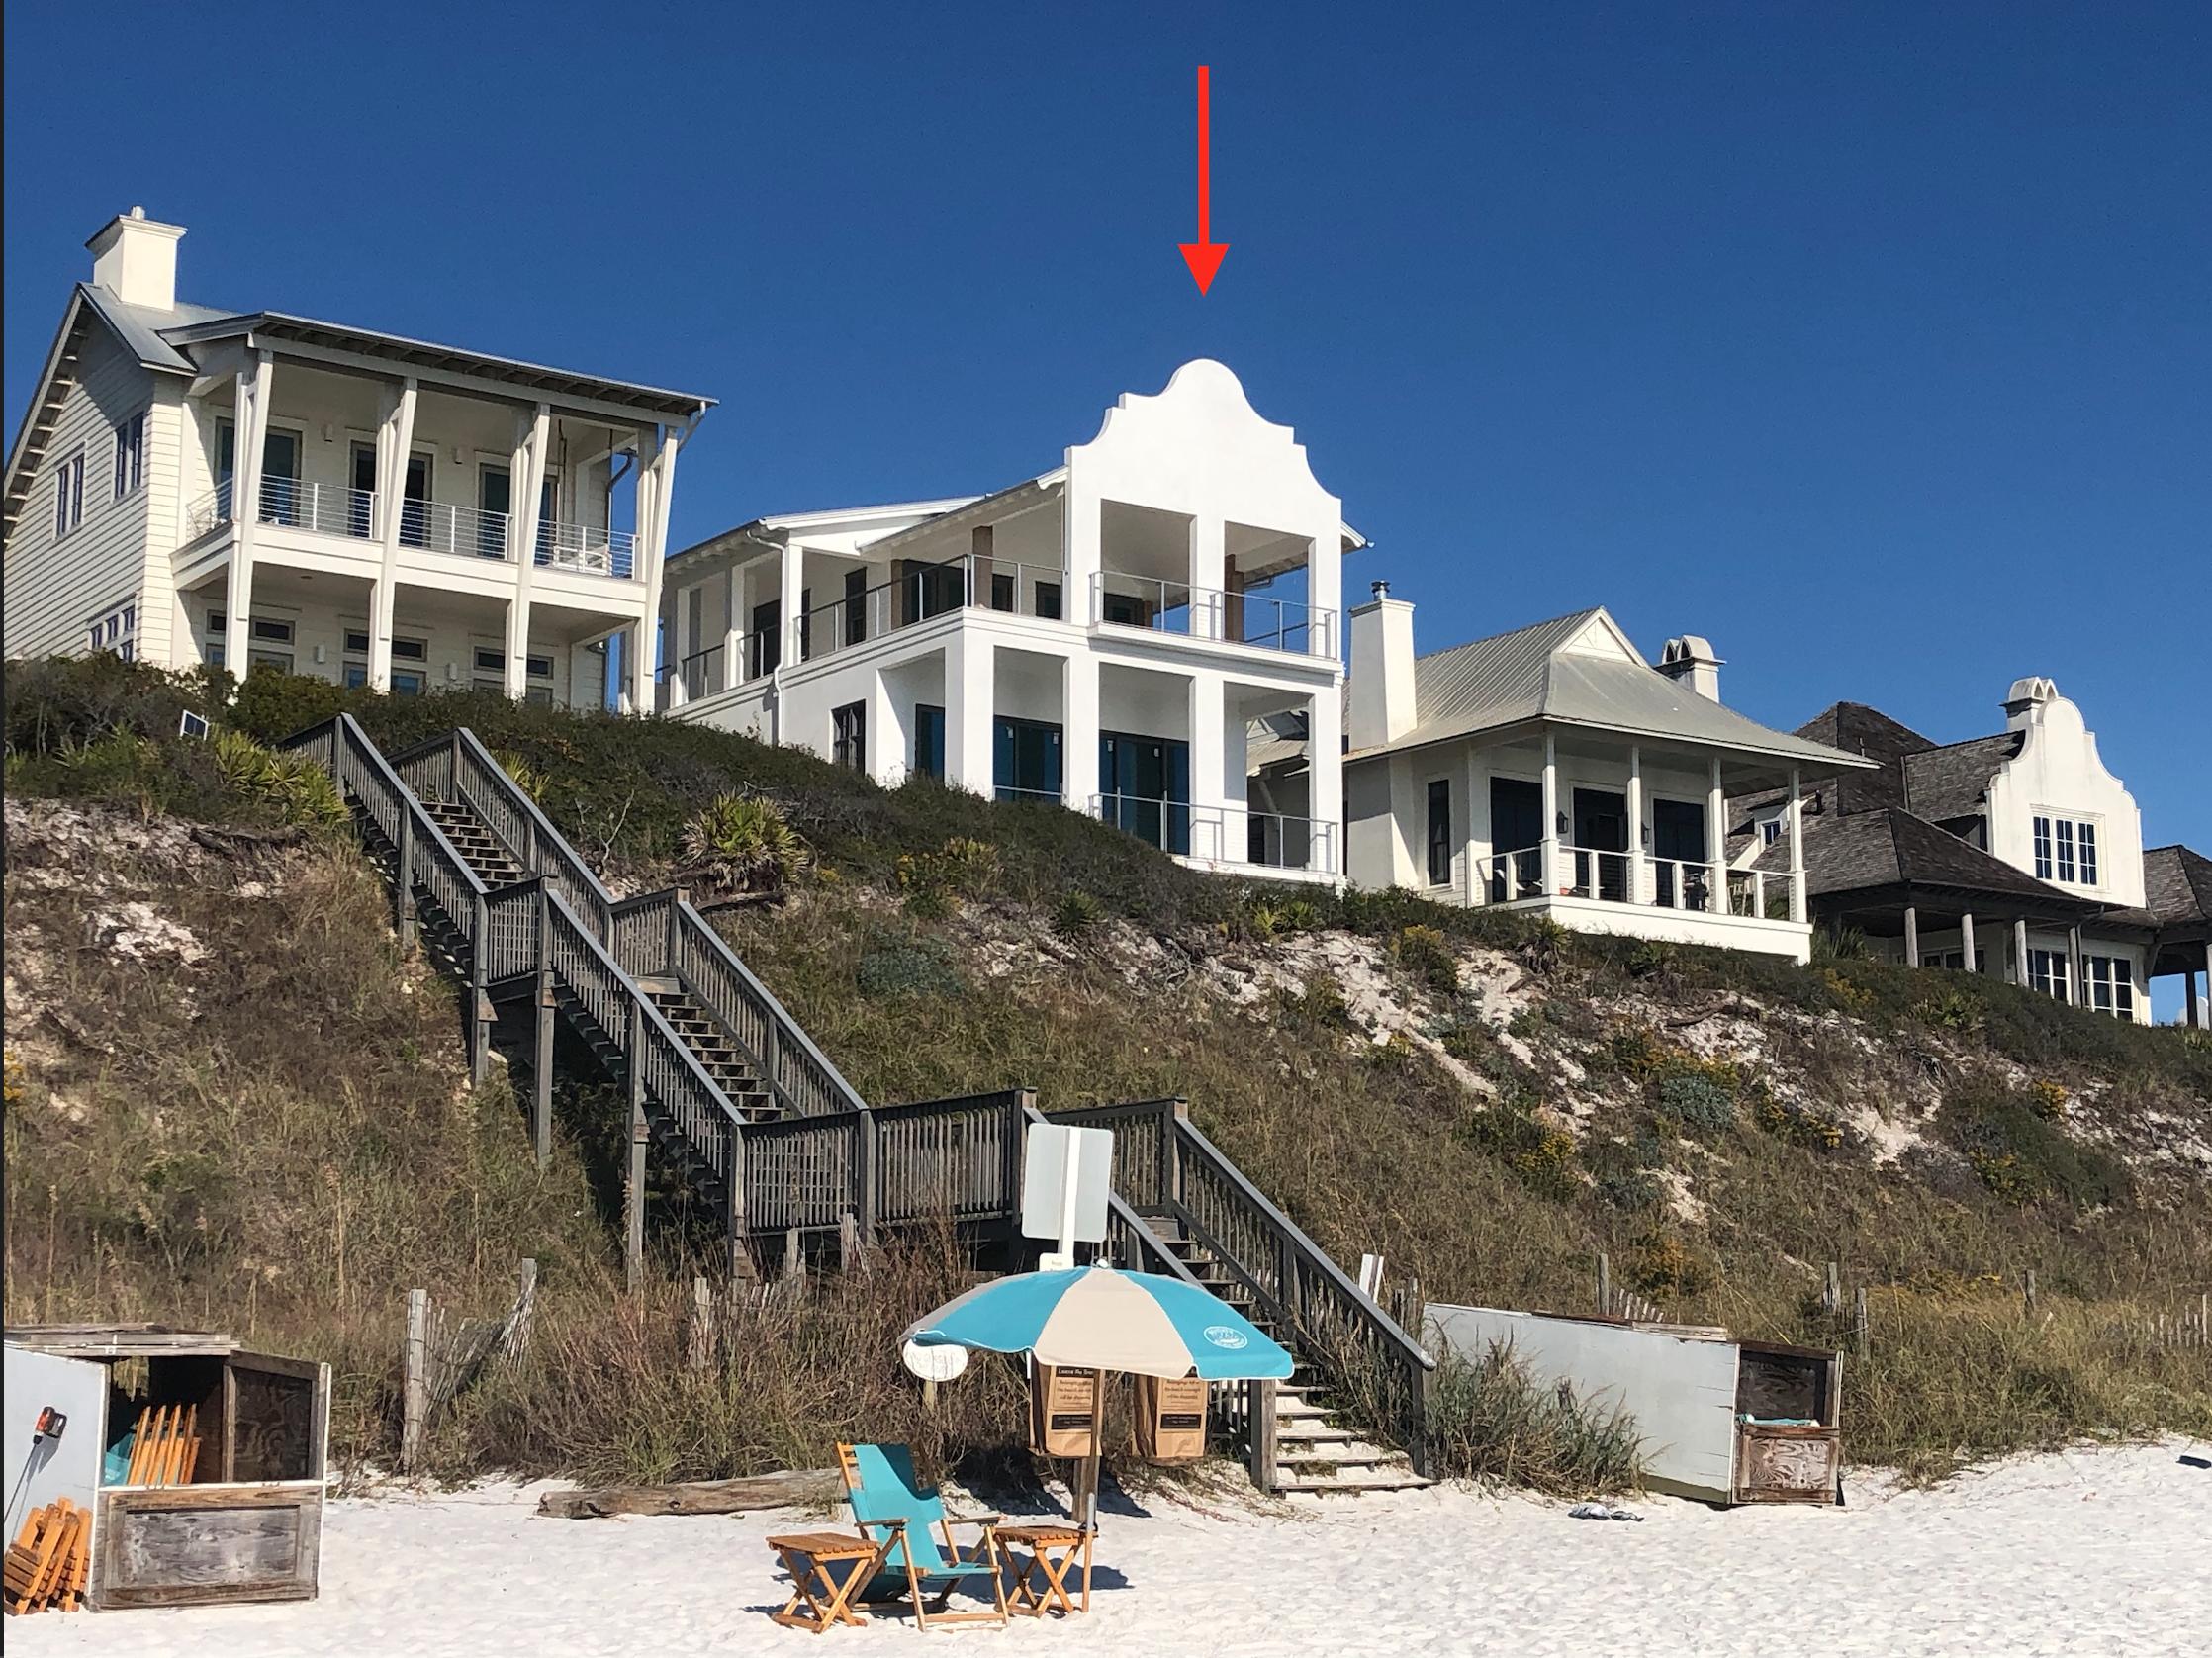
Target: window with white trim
<point>2047,972</point>
<point>269,643</point>
<point>68,495</point>
<point>2066,849</point>
<point>129,454</point>
<point>117,631</point>
<point>2108,984</point>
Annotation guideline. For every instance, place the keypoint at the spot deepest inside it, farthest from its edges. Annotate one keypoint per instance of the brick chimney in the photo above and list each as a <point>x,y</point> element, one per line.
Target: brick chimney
<point>135,259</point>
<point>1382,670</point>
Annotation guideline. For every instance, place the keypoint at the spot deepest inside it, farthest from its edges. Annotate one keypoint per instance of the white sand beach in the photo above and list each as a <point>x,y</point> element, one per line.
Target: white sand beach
<point>2103,1552</point>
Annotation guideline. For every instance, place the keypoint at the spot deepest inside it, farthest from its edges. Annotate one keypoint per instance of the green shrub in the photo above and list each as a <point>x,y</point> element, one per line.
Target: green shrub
<point>1076,912</point>
<point>743,841</point>
<point>1540,1155</point>
<point>1422,951</point>
<point>2024,1155</point>
<point>1650,958</point>
<point>1491,1420</point>
<point>894,966</point>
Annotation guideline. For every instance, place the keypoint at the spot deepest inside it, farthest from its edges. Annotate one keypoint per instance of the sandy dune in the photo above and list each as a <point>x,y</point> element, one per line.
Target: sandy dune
<point>2088,1552</point>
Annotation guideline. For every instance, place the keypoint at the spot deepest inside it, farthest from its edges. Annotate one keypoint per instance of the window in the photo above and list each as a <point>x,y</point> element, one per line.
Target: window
<point>928,740</point>
<point>1047,601</point>
<point>1439,833</point>
<point>1770,831</point>
<point>2066,850</point>
<point>408,684</point>
<point>538,667</point>
<point>2046,972</point>
<point>129,454</point>
<point>411,650</point>
<point>1002,590</point>
<point>2108,984</point>
<point>269,630</point>
<point>356,676</point>
<point>117,631</point>
<point>489,662</point>
<point>357,641</point>
<point>68,495</point>
<point>849,728</point>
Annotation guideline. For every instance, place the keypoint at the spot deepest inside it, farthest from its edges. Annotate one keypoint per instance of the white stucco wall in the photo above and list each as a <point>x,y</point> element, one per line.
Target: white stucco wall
<point>2059,772</point>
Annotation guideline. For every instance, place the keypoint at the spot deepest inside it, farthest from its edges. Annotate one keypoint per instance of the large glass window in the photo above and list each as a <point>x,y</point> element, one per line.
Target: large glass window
<point>2064,832</point>
<point>2087,835</point>
<point>2066,850</point>
<point>2047,972</point>
<point>68,495</point>
<point>129,454</point>
<point>848,736</point>
<point>1439,833</point>
<point>1025,759</point>
<point>2042,849</point>
<point>928,740</point>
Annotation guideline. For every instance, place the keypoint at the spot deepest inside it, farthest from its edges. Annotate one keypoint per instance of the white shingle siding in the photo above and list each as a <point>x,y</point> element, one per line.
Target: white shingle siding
<point>52,592</point>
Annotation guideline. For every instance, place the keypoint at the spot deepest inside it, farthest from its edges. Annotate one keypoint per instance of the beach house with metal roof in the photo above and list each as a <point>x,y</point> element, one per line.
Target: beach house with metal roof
<point>251,488</point>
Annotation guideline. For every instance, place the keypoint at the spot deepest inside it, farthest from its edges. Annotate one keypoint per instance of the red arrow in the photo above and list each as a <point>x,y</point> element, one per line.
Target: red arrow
<point>1204,255</point>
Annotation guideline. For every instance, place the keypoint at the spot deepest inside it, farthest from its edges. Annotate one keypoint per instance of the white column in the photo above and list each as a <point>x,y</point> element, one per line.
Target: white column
<point>1635,824</point>
<point>1078,740</point>
<point>2074,990</point>
<point>1911,937</point>
<point>1324,777</point>
<point>1208,562</point>
<point>1717,840</point>
<point>525,483</point>
<point>1325,585</point>
<point>733,623</point>
<point>1474,886</point>
<point>1083,556</point>
<point>656,485</point>
<point>1797,905</point>
<point>250,412</point>
<point>793,583</point>
<point>1551,816</point>
<point>394,440</point>
<point>1966,940</point>
<point>2020,973</point>
<point>1211,835</point>
<point>969,668</point>
<point>681,642</point>
<point>886,741</point>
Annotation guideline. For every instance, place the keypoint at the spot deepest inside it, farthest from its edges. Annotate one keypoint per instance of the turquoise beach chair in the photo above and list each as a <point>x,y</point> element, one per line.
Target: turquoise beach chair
<point>890,1507</point>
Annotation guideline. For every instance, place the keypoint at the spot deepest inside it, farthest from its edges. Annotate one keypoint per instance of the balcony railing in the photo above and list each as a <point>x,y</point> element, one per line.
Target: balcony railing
<point>925,591</point>
<point>431,525</point>
<point>691,676</point>
<point>1224,834</point>
<point>1622,878</point>
<point>1165,606</point>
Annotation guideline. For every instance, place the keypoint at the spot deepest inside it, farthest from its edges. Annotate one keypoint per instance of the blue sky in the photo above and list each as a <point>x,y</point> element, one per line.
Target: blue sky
<point>1873,341</point>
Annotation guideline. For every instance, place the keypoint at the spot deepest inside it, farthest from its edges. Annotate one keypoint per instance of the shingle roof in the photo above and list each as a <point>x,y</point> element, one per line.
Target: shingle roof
<point>1530,675</point>
<point>2178,885</point>
<point>1891,848</point>
<point>1942,784</point>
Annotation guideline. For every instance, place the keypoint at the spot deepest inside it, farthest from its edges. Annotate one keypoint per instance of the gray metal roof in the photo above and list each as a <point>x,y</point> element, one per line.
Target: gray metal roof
<point>139,328</point>
<point>1528,674</point>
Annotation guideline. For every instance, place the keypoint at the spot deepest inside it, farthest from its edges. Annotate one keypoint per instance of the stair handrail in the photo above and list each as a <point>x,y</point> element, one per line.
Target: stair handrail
<point>360,746</point>
<point>788,1034</point>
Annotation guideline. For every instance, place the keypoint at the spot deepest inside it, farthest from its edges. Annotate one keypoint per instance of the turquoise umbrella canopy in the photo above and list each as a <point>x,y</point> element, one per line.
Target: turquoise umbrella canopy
<point>1145,1323</point>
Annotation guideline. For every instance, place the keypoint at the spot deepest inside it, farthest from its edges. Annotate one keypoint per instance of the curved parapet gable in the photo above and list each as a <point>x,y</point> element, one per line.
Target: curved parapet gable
<point>2059,773</point>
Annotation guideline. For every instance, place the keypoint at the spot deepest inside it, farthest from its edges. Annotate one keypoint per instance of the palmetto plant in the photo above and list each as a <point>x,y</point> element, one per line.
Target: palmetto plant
<point>742,841</point>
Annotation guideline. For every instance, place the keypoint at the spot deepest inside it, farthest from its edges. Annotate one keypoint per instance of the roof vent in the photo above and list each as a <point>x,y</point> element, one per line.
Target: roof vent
<point>2028,694</point>
<point>1688,659</point>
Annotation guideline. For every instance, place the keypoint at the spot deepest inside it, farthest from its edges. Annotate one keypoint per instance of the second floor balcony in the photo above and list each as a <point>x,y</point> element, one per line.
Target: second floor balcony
<point>428,526</point>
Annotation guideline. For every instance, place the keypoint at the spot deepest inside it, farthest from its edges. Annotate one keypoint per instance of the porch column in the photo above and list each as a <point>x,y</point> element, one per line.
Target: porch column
<point>1912,936</point>
<point>788,598</point>
<point>1209,547</point>
<point>2073,987</point>
<point>250,412</point>
<point>1078,739</point>
<point>733,638</point>
<point>1210,832</point>
<point>1717,840</point>
<point>656,482</point>
<point>969,670</point>
<point>1966,942</point>
<point>1550,854</point>
<point>2020,953</point>
<point>1324,779</point>
<point>1635,824</point>
<point>2196,1011</point>
<point>681,642</point>
<point>1797,905</point>
<point>533,433</point>
<point>394,440</point>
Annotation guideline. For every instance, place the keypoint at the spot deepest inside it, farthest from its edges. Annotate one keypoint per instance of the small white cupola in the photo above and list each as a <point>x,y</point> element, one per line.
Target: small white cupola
<point>1688,659</point>
<point>135,259</point>
<point>1382,670</point>
<point>2024,702</point>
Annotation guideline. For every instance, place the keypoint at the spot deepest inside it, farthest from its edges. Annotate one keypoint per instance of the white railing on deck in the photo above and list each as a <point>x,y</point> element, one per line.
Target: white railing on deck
<point>1692,886</point>
<point>443,527</point>
<point>1222,834</point>
<point>927,590</point>
<point>586,549</point>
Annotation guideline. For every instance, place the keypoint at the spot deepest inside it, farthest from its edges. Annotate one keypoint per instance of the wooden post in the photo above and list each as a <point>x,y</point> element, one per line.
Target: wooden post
<point>634,1188</point>
<point>1604,1286</point>
<point>402,882</point>
<point>1262,1408</point>
<point>1860,1319</point>
<point>480,962</point>
<point>2027,1290</point>
<point>676,900</point>
<point>526,1306</point>
<point>541,1049</point>
<point>1831,1293</point>
<point>702,1333</point>
<point>1912,936</point>
<point>868,1197</point>
<point>848,1243</point>
<point>735,1226</point>
<point>794,1258</point>
<point>415,1367</point>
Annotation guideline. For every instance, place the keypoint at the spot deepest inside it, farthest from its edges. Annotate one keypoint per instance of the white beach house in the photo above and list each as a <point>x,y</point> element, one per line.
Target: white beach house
<point>197,485</point>
<point>1553,771</point>
<point>1112,634</point>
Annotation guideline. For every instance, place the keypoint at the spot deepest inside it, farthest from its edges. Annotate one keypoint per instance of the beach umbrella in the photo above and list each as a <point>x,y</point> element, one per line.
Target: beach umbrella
<point>1099,1319</point>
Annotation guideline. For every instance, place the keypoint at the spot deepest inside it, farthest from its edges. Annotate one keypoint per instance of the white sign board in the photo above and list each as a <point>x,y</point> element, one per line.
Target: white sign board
<point>1062,1164</point>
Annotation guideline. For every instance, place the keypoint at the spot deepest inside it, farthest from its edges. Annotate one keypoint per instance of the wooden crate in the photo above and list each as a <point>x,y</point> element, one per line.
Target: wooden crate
<point>1787,1464</point>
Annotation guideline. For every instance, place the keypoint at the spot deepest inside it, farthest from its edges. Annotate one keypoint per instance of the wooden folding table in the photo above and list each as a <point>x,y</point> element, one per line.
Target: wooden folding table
<point>809,1556</point>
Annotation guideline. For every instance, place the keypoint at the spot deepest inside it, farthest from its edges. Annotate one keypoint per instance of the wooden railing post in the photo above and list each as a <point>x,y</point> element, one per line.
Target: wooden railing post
<point>402,882</point>
<point>676,898</point>
<point>415,1409</point>
<point>734,1219</point>
<point>634,1189</point>
<point>1170,1152</point>
<point>1019,1104</point>
<point>541,1062</point>
<point>480,1004</point>
<point>453,767</point>
<point>867,1178</point>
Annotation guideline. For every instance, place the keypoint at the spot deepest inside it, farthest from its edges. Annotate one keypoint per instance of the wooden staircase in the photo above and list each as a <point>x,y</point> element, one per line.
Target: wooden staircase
<point>1316,1455</point>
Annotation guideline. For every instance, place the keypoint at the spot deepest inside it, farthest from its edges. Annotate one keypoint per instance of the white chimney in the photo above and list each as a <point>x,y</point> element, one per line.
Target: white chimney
<point>135,259</point>
<point>1382,670</point>
<point>1689,660</point>
<point>2023,703</point>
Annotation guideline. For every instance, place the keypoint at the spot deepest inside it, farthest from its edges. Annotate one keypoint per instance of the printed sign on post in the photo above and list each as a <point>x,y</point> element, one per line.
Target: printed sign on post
<point>1066,1406</point>
<point>1171,1418</point>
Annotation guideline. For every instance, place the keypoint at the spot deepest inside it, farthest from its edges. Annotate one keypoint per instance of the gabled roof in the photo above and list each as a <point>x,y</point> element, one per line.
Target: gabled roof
<point>1857,728</point>
<point>139,328</point>
<point>2177,885</point>
<point>1887,848</point>
<point>1947,782</point>
<point>1582,670</point>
